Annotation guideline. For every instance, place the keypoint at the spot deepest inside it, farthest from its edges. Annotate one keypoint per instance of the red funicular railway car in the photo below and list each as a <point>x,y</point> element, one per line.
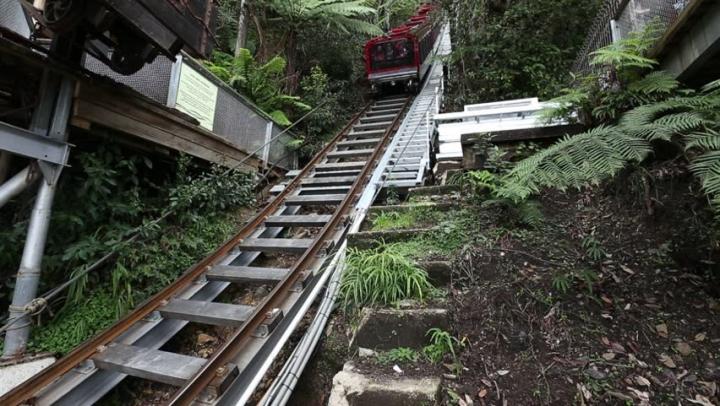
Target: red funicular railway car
<point>403,55</point>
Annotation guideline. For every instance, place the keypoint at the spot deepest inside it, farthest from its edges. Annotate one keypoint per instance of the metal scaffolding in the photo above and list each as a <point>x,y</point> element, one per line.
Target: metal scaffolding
<point>45,143</point>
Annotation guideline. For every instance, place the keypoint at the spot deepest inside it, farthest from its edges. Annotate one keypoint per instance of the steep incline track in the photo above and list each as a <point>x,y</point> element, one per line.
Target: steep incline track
<point>285,246</point>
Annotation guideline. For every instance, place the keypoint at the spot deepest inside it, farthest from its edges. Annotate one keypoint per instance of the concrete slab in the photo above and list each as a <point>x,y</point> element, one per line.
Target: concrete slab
<point>385,329</point>
<point>352,388</point>
<point>13,375</point>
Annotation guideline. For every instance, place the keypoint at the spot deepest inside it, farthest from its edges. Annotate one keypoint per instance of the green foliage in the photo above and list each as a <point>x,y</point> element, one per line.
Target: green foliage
<point>575,161</point>
<point>514,49</point>
<point>339,16</point>
<point>689,121</point>
<point>392,220</point>
<point>381,276</point>
<point>393,13</point>
<point>333,109</point>
<point>262,83</point>
<point>622,78</point>
<point>441,344</point>
<point>87,318</point>
<point>412,216</point>
<point>593,248</point>
<point>563,281</point>
<point>398,355</point>
<point>106,196</point>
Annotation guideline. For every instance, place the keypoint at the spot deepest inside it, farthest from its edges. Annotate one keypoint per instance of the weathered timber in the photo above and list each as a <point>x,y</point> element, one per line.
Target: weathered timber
<point>349,154</point>
<point>359,143</point>
<point>290,245</point>
<point>310,220</point>
<point>216,314</point>
<point>330,181</point>
<point>339,165</point>
<point>155,365</point>
<point>246,274</point>
<point>319,200</point>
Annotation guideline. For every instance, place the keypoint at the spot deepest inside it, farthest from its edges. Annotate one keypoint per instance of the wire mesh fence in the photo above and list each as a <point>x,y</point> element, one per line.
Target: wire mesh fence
<point>627,16</point>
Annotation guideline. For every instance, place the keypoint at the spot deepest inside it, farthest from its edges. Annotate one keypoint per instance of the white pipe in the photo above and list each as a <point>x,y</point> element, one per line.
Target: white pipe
<point>15,185</point>
<point>267,362</point>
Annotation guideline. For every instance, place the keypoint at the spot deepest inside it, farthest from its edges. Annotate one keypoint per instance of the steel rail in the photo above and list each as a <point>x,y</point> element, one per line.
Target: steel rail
<point>232,347</point>
<point>29,388</point>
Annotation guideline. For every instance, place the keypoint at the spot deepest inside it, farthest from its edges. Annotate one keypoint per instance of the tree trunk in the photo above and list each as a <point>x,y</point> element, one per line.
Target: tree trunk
<point>291,56</point>
<point>241,38</point>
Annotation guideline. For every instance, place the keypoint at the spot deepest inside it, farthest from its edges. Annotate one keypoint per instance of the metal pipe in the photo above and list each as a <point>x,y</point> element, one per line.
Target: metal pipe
<point>29,274</point>
<point>15,185</point>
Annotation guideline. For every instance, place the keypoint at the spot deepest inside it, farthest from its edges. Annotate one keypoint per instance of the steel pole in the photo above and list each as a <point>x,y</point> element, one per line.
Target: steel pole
<point>17,184</point>
<point>28,275</point>
<point>56,101</point>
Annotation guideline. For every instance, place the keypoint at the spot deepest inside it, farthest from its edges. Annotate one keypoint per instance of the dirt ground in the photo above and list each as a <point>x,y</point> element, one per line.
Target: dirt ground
<point>613,300</point>
<point>602,304</point>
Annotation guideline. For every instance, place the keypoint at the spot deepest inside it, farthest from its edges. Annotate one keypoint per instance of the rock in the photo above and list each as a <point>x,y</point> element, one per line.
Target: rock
<point>14,374</point>
<point>683,348</point>
<point>204,339</point>
<point>711,371</point>
<point>439,272</point>
<point>595,373</point>
<point>385,329</point>
<point>352,388</point>
<point>261,291</point>
<point>366,352</point>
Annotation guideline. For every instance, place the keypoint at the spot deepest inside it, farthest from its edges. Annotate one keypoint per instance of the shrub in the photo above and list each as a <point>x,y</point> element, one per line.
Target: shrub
<point>381,276</point>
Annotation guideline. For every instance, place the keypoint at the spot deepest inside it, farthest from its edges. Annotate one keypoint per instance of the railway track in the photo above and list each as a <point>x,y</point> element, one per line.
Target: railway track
<point>283,246</point>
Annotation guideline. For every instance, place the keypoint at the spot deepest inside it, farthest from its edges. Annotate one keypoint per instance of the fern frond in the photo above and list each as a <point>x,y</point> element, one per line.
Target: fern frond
<point>657,82</point>
<point>712,87</point>
<point>575,161</point>
<point>618,56</point>
<point>707,140</point>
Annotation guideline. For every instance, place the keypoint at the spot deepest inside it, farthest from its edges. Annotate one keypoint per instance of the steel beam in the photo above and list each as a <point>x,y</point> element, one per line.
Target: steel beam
<point>26,143</point>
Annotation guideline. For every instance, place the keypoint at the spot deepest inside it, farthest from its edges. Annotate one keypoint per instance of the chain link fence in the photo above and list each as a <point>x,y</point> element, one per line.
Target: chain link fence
<point>618,18</point>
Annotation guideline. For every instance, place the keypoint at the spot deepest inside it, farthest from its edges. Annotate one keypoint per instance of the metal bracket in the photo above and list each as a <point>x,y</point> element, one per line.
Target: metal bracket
<point>51,154</point>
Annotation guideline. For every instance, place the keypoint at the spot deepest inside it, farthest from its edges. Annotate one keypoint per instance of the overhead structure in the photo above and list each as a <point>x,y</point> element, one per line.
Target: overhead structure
<point>123,33</point>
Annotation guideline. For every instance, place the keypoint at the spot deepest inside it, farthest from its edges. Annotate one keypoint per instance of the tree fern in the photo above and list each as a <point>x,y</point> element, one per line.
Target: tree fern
<point>692,122</point>
<point>657,82</point>
<point>575,161</point>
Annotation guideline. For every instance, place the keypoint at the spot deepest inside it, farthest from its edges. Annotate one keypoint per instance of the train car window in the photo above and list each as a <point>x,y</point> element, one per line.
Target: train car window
<point>392,54</point>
